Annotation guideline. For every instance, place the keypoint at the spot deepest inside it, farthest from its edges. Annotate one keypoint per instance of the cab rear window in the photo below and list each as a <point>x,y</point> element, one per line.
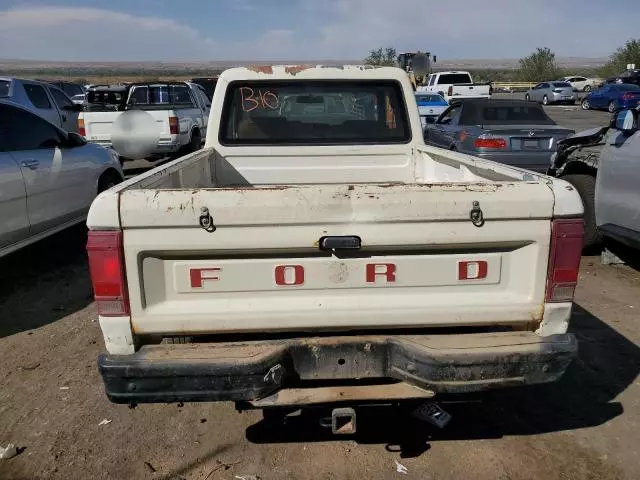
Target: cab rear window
<point>329,113</point>
<point>4,88</point>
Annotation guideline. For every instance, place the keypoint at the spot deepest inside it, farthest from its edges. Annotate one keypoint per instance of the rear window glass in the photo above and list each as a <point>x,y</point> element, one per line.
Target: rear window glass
<point>106,97</point>
<point>161,95</point>
<point>628,88</point>
<point>429,98</point>
<point>37,95</point>
<point>450,78</point>
<point>4,88</point>
<point>507,114</point>
<point>330,113</point>
<point>561,85</point>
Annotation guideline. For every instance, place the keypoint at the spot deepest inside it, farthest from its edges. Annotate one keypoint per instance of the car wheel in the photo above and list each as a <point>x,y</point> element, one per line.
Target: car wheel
<point>585,104</point>
<point>196,141</point>
<point>612,107</point>
<point>527,97</point>
<point>586,187</point>
<point>108,180</point>
<point>587,88</point>
<point>545,100</point>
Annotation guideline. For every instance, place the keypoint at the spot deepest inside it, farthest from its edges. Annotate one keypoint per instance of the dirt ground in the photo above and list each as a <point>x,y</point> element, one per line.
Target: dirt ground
<point>52,402</point>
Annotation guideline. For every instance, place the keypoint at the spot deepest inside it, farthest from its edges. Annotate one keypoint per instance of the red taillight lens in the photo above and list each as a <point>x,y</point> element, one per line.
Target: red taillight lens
<point>450,91</point>
<point>174,126</point>
<point>81,130</point>
<point>629,96</point>
<point>106,265</point>
<point>496,143</point>
<point>564,259</point>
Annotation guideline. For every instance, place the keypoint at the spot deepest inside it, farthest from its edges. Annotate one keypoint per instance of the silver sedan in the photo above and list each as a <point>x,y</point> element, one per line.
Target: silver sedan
<point>552,92</point>
<point>48,177</point>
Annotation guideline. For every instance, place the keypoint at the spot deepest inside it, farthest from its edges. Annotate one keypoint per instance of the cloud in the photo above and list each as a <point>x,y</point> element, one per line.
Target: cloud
<point>61,33</point>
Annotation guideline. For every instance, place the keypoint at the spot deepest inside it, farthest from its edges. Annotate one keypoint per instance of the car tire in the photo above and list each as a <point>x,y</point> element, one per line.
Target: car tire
<point>586,187</point>
<point>545,100</point>
<point>527,98</point>
<point>612,107</point>
<point>587,88</point>
<point>196,141</point>
<point>108,180</point>
<point>585,104</point>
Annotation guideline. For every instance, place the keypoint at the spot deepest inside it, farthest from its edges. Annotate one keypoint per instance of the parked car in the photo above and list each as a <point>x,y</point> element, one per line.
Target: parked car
<point>178,111</point>
<point>48,177</point>
<point>552,92</point>
<point>252,270</point>
<point>430,106</point>
<point>617,192</point>
<point>456,85</point>
<point>612,97</point>
<point>44,99</point>
<point>69,88</point>
<point>80,99</point>
<point>583,84</point>
<point>627,77</point>
<point>513,132</point>
<point>208,83</point>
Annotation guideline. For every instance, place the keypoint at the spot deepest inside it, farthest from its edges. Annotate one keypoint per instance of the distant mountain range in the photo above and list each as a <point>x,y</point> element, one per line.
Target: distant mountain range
<point>442,64</point>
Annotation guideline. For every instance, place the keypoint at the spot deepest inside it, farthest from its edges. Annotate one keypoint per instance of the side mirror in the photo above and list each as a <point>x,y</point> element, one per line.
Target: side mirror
<point>75,140</point>
<point>626,121</point>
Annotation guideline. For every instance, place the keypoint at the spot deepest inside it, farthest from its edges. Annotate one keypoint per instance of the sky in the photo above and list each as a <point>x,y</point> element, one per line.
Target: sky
<point>212,30</point>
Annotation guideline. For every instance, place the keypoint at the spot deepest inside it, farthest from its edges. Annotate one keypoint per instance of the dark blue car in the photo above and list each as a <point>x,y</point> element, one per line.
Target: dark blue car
<point>613,97</point>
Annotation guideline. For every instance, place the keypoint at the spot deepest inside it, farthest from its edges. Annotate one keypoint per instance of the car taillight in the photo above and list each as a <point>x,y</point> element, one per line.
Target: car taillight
<point>496,143</point>
<point>81,130</point>
<point>450,91</point>
<point>629,96</point>
<point>174,126</point>
<point>564,259</point>
<point>106,266</point>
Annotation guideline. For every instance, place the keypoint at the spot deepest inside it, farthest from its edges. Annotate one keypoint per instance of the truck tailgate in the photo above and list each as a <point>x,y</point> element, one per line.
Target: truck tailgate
<point>99,125</point>
<point>422,261</point>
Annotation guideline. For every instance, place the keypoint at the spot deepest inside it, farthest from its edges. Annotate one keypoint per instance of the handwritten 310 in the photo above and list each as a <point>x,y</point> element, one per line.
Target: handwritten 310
<point>252,99</point>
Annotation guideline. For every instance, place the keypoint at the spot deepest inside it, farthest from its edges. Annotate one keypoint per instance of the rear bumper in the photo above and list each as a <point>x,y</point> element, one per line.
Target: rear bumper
<point>536,161</point>
<point>251,371</point>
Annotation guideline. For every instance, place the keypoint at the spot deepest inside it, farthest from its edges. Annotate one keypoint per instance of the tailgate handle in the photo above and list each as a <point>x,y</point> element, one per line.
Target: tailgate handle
<point>345,242</point>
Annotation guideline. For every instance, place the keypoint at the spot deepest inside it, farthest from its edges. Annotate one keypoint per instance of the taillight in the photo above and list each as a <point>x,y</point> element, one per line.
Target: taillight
<point>495,143</point>
<point>106,266</point>
<point>629,96</point>
<point>81,130</point>
<point>450,91</point>
<point>564,259</point>
<point>174,126</point>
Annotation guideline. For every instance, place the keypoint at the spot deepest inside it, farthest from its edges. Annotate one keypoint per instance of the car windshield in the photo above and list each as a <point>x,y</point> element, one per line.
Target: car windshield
<point>4,88</point>
<point>429,98</point>
<point>330,113</point>
<point>561,85</point>
<point>518,114</point>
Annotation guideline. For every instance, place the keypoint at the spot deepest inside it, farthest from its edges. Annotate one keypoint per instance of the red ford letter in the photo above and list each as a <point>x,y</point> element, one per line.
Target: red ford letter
<point>297,274</point>
<point>199,274</point>
<point>472,270</point>
<point>388,270</point>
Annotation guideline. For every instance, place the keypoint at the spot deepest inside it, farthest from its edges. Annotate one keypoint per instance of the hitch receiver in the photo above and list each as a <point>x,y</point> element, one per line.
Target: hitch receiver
<point>343,421</point>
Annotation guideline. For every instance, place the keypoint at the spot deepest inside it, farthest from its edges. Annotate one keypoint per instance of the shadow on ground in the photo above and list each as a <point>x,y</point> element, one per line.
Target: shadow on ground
<point>606,365</point>
<point>44,282</point>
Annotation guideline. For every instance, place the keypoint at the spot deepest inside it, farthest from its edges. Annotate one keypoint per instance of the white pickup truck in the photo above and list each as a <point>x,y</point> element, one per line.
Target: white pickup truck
<point>455,86</point>
<point>316,251</point>
<point>179,111</point>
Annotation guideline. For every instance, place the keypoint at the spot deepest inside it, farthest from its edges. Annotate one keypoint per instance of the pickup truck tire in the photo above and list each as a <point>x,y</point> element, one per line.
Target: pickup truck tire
<point>195,142</point>
<point>108,179</point>
<point>586,186</point>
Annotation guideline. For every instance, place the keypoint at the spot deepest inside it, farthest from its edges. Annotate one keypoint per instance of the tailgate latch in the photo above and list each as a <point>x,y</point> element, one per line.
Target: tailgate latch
<point>476,215</point>
<point>206,220</point>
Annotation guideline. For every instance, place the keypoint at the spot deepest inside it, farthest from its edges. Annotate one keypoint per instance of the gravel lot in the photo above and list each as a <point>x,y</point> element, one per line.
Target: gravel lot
<point>52,400</point>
